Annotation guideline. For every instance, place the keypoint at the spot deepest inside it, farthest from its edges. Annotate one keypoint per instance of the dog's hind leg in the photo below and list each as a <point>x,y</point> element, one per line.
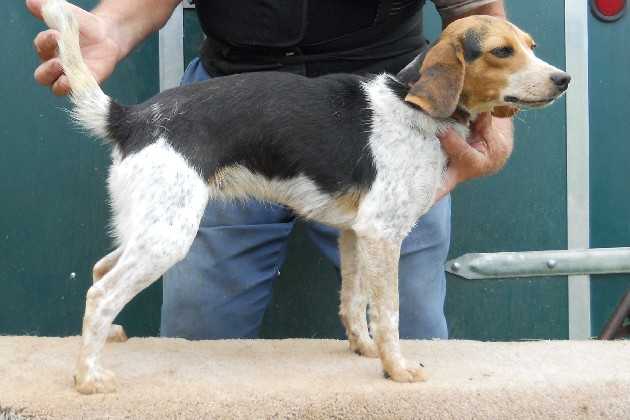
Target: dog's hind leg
<point>354,298</point>
<point>144,259</point>
<point>134,271</point>
<point>159,201</point>
<point>103,266</point>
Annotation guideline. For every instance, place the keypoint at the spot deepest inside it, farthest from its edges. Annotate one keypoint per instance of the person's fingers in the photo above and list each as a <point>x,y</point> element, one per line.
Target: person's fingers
<point>61,87</point>
<point>479,129</point>
<point>35,7</point>
<point>499,148</point>
<point>482,123</point>
<point>48,72</point>
<point>451,142</point>
<point>455,146</point>
<point>46,44</point>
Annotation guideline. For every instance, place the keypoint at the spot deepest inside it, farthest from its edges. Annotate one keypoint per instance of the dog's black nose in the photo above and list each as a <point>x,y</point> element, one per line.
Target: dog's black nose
<point>561,80</point>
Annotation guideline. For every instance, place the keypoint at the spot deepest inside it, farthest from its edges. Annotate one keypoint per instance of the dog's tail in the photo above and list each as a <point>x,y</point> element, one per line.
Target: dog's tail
<point>91,104</point>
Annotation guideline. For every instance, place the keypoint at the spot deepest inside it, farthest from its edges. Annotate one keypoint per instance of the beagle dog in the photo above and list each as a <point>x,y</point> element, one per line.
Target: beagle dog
<point>357,153</point>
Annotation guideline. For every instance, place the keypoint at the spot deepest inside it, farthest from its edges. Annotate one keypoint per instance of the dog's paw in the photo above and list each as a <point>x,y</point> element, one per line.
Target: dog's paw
<point>406,375</point>
<point>97,381</point>
<point>116,334</point>
<point>365,348</point>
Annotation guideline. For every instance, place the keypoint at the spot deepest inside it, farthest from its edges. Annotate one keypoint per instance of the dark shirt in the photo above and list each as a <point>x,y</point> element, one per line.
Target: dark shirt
<point>318,36</point>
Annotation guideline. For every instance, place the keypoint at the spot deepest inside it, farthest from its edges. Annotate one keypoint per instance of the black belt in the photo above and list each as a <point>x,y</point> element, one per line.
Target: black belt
<point>241,60</point>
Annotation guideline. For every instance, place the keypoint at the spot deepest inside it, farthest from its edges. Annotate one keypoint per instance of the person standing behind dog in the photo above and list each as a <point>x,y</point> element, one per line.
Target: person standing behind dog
<point>222,288</point>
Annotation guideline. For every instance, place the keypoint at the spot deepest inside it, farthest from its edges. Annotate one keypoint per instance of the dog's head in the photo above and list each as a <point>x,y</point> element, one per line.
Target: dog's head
<point>483,64</point>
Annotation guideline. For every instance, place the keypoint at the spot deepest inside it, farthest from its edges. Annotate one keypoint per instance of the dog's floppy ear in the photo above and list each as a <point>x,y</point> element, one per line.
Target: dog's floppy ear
<point>441,80</point>
<point>504,111</point>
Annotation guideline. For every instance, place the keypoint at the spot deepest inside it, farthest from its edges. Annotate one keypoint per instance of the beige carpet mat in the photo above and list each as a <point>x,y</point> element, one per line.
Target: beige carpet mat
<point>313,379</point>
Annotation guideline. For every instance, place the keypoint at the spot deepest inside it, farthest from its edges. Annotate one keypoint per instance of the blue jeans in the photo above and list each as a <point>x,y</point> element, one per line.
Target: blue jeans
<point>223,286</point>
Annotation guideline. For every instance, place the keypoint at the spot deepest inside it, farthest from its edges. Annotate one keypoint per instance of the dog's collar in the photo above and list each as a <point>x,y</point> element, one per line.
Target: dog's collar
<point>461,115</point>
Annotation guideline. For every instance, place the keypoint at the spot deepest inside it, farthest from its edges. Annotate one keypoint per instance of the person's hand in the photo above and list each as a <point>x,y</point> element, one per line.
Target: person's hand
<point>485,152</point>
<point>100,50</point>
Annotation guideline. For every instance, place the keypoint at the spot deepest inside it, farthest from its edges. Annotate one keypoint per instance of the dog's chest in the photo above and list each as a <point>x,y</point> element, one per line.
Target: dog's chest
<point>410,167</point>
<point>404,155</point>
<point>409,164</point>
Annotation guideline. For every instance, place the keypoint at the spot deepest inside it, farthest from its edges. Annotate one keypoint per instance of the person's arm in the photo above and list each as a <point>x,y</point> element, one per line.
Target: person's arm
<point>491,139</point>
<point>495,8</point>
<point>108,34</point>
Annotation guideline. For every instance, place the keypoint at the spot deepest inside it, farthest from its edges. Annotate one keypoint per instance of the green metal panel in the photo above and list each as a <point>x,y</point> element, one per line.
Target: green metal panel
<point>54,207</point>
<point>609,62</point>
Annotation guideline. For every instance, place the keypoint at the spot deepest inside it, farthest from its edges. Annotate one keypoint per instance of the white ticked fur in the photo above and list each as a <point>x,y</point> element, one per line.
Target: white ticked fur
<point>153,184</point>
<point>409,160</point>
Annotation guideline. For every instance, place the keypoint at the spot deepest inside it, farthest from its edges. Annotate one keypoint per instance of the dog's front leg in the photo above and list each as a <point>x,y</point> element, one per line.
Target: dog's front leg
<point>378,264</point>
<point>354,298</point>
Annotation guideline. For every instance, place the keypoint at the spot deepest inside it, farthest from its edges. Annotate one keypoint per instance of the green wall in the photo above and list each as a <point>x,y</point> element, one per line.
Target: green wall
<point>609,61</point>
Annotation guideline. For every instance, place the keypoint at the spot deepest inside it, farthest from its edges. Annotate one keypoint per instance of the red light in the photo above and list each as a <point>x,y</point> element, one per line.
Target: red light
<point>610,8</point>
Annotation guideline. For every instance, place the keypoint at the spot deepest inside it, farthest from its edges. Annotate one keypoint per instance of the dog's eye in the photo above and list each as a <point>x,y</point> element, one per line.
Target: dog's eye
<point>502,52</point>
